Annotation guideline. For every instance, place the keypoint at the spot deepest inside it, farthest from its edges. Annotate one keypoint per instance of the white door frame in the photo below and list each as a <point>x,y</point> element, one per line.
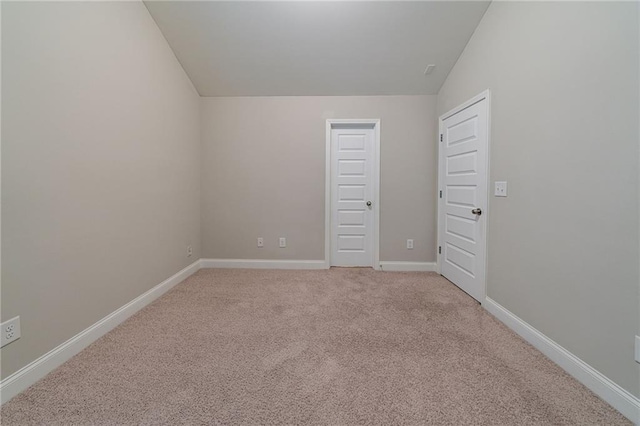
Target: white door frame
<point>486,95</point>
<point>376,187</point>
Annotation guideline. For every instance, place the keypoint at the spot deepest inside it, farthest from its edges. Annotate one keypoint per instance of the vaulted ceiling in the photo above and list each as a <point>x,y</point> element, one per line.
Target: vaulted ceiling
<point>301,48</point>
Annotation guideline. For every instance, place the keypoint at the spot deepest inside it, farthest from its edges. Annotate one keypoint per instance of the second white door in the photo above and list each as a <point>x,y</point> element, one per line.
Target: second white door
<point>352,190</point>
<point>463,197</point>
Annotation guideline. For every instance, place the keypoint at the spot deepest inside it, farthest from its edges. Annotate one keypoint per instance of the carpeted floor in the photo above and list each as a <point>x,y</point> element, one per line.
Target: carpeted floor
<point>338,347</point>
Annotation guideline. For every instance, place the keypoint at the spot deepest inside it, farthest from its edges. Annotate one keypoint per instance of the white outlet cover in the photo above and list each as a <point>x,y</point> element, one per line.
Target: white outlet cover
<point>283,242</point>
<point>500,189</point>
<point>260,242</point>
<point>638,349</point>
<point>409,244</point>
<point>10,331</point>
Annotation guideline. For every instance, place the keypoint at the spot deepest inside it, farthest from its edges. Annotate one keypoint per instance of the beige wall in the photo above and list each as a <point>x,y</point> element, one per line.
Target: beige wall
<point>263,168</point>
<point>100,166</point>
<point>563,247</point>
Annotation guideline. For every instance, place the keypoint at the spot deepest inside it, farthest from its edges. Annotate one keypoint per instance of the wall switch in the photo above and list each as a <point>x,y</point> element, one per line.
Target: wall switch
<point>10,331</point>
<point>638,349</point>
<point>260,242</point>
<point>410,244</point>
<point>500,189</point>
<point>189,251</point>
<point>283,242</point>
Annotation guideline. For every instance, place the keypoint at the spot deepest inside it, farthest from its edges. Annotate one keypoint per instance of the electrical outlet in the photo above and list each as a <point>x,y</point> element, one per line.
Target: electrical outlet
<point>10,331</point>
<point>260,242</point>
<point>283,242</point>
<point>638,349</point>
<point>189,251</point>
<point>410,244</point>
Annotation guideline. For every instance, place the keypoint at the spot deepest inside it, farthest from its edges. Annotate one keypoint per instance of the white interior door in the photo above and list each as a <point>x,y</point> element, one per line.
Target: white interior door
<point>463,203</point>
<point>352,190</point>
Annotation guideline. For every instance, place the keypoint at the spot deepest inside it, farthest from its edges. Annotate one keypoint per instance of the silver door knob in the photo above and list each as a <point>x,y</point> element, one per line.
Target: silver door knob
<point>368,203</point>
<point>477,211</point>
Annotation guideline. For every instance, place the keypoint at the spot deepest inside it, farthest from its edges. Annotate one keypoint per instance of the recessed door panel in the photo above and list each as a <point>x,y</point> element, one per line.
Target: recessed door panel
<point>352,218</point>
<point>351,243</point>
<point>464,131</point>
<point>461,195</point>
<point>461,227</point>
<point>351,192</point>
<point>465,163</point>
<point>352,142</point>
<point>460,259</point>
<point>351,168</point>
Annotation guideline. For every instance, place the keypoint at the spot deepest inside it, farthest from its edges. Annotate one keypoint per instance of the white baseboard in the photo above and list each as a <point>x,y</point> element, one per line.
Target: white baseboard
<point>620,399</point>
<point>408,266</point>
<point>36,370</point>
<point>263,264</point>
<point>306,264</point>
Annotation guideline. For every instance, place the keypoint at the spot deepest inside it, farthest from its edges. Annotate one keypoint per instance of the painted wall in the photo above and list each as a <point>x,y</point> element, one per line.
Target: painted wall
<point>563,247</point>
<point>100,166</point>
<point>263,174</point>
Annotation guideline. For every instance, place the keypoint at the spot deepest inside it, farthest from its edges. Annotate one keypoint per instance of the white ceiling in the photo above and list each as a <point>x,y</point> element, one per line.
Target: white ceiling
<point>316,48</point>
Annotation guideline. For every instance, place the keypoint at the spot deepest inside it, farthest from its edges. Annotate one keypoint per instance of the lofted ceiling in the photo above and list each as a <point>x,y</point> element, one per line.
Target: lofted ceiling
<point>303,48</point>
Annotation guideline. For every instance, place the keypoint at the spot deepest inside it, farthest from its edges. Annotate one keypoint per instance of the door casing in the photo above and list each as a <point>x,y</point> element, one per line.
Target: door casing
<point>485,95</point>
<point>375,124</point>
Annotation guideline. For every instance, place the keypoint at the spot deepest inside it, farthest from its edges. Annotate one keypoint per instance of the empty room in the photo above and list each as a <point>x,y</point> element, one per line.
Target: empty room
<point>320,212</point>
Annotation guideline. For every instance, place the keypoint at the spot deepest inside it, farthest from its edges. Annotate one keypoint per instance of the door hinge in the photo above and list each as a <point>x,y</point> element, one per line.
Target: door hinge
<point>440,137</point>
<point>439,249</point>
<point>440,194</point>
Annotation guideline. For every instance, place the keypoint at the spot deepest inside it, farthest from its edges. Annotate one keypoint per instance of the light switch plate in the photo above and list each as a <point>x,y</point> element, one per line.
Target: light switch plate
<point>500,189</point>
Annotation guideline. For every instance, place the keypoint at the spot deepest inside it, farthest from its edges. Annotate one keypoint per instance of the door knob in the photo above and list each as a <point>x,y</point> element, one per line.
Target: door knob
<point>477,211</point>
<point>368,203</point>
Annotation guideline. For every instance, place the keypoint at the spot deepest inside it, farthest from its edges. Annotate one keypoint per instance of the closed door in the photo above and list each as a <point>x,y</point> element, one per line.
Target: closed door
<point>463,174</point>
<point>352,169</point>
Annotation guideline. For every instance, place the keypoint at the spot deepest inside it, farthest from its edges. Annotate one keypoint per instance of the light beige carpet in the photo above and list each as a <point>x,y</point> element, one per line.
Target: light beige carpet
<point>339,347</point>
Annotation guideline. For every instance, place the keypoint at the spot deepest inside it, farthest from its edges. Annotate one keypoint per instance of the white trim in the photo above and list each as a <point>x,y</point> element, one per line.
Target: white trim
<point>376,188</point>
<point>408,266</point>
<point>327,196</point>
<point>605,388</point>
<point>262,264</point>
<point>484,95</point>
<point>36,370</point>
<point>439,199</point>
